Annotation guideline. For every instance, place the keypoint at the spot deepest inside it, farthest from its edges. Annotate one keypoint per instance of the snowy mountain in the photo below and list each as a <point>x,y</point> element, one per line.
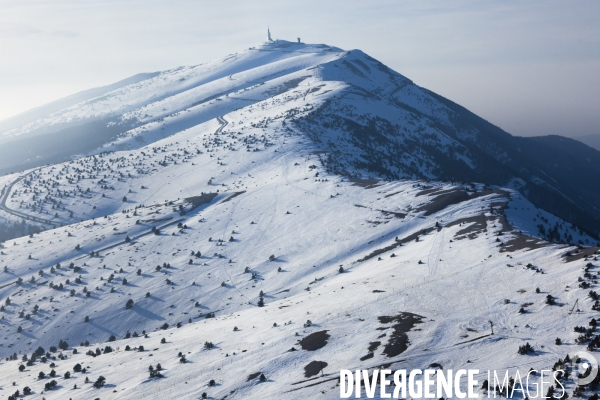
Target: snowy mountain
<point>367,119</point>
<point>278,215</point>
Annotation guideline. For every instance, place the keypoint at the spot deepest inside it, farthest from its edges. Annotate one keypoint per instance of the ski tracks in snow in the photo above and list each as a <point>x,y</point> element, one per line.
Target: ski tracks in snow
<point>436,253</point>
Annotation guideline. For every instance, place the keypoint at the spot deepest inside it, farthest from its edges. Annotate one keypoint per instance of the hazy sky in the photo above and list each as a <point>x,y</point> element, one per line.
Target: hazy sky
<point>531,67</point>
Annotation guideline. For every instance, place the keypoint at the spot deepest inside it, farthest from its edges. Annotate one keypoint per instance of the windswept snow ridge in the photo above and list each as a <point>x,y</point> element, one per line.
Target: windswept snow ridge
<point>250,233</point>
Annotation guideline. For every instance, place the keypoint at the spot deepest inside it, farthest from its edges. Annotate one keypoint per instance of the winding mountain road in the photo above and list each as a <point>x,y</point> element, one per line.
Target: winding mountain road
<point>7,189</point>
<point>223,123</point>
<point>4,197</point>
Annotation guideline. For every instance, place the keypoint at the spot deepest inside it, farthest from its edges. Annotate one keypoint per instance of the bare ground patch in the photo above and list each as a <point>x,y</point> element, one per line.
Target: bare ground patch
<point>204,198</point>
<point>521,241</point>
<point>232,196</point>
<point>372,347</point>
<point>398,243</point>
<point>427,191</point>
<point>252,376</point>
<point>365,183</point>
<point>392,194</point>
<point>313,368</point>
<point>314,341</point>
<point>395,214</point>
<point>442,201</point>
<point>398,342</point>
<point>455,196</point>
<point>477,224</point>
<point>580,252</point>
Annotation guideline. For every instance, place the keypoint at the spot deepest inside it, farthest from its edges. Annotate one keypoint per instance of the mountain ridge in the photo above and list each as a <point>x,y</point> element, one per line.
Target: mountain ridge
<point>448,141</point>
<point>249,235</point>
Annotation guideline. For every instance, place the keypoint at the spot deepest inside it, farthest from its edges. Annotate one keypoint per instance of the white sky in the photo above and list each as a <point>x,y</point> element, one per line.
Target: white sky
<point>533,68</point>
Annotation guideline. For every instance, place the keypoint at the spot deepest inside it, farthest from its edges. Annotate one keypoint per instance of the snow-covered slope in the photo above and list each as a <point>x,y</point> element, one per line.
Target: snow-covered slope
<point>43,111</point>
<point>237,212</point>
<point>176,90</point>
<point>364,117</point>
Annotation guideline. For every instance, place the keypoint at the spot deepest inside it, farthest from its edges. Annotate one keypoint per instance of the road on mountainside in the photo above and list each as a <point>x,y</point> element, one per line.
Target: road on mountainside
<point>6,191</point>
<point>132,239</point>
<point>223,123</point>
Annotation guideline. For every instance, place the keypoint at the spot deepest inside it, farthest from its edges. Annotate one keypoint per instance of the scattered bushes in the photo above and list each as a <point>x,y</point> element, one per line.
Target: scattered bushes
<point>101,381</point>
<point>525,349</point>
<point>155,373</point>
<point>50,385</point>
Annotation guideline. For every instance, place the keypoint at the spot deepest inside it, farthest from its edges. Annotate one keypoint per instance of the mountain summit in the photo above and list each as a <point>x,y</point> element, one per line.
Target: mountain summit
<point>366,119</point>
